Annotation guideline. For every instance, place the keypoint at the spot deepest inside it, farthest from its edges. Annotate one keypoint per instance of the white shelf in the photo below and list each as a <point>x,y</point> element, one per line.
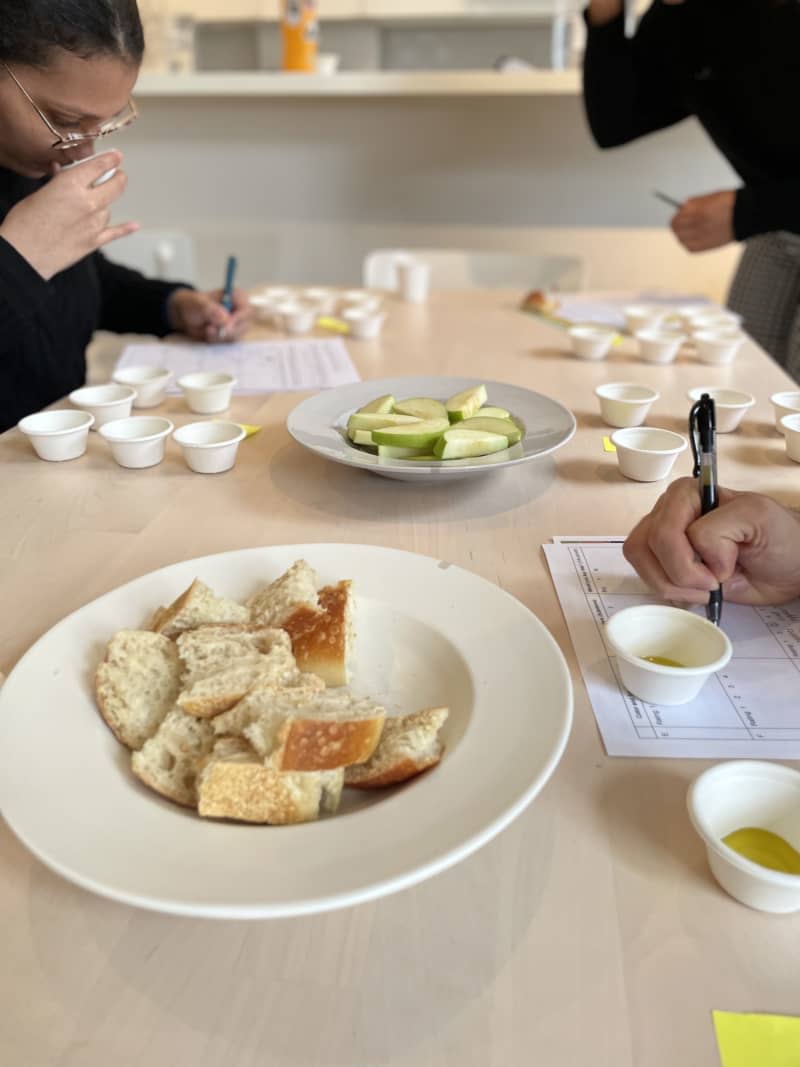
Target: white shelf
<point>367,83</point>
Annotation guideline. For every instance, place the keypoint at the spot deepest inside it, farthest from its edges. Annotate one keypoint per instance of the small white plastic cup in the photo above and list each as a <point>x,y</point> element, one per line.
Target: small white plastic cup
<point>786,403</point>
<point>327,63</point>
<point>717,319</point>
<point>371,305</point>
<point>209,447</point>
<point>150,384</point>
<point>105,402</point>
<point>364,325</point>
<point>730,405</point>
<point>688,313</point>
<point>672,633</point>
<point>592,342</point>
<point>323,300</point>
<point>625,403</point>
<point>138,441</point>
<point>748,793</point>
<point>296,318</point>
<point>717,346</point>
<point>106,176</point>
<point>644,316</point>
<point>790,425</point>
<point>659,345</point>
<point>57,435</point>
<point>265,302</point>
<point>647,454</point>
<point>413,280</point>
<point>207,393</point>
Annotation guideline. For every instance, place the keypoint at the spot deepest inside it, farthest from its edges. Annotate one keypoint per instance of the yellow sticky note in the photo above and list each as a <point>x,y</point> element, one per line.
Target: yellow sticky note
<point>248,429</point>
<point>750,1040</point>
<point>608,445</point>
<point>328,322</point>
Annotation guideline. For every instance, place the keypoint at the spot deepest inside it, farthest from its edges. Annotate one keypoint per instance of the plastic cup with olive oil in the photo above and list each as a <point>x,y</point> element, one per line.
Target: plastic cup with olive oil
<point>665,655</point>
<point>748,814</point>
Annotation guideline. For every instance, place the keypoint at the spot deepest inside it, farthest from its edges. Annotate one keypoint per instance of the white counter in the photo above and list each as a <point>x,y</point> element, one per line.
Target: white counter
<point>366,83</point>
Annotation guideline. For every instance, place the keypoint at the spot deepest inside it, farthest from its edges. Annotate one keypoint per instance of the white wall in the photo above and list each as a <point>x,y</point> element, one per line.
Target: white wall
<point>301,188</point>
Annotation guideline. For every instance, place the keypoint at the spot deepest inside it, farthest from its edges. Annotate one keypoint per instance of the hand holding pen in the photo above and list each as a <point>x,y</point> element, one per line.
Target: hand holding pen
<point>703,436</point>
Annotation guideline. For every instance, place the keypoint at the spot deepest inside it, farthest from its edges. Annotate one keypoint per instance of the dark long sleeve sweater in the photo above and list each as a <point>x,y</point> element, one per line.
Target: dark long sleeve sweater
<point>735,64</point>
<point>45,326</point>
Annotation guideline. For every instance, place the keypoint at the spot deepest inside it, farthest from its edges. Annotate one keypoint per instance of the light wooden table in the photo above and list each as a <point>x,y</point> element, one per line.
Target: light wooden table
<point>589,932</point>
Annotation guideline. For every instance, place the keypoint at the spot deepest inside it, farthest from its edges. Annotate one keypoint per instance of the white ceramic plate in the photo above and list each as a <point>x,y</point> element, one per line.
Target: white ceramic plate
<point>428,633</point>
<point>319,423</point>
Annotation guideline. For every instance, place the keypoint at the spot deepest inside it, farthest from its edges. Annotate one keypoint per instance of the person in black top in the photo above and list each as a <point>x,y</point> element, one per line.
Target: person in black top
<point>734,65</point>
<point>67,69</point>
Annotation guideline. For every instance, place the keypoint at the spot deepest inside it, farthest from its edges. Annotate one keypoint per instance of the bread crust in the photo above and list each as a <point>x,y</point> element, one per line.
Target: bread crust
<point>320,638</point>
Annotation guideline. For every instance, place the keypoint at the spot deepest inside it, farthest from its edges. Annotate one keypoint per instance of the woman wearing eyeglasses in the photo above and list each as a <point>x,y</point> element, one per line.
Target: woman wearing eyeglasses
<point>67,70</point>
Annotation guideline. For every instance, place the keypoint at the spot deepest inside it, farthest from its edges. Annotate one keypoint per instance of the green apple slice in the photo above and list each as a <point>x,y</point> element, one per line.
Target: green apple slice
<point>463,405</point>
<point>463,444</point>
<point>424,407</point>
<point>490,425</point>
<point>361,437</point>
<point>398,451</point>
<point>494,413</point>
<point>371,421</point>
<point>426,457</point>
<point>423,434</point>
<point>382,405</point>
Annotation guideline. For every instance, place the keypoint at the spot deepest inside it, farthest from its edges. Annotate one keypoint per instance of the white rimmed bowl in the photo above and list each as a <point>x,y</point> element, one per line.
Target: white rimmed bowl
<point>659,345</point>
<point>209,447</point>
<point>674,633</point>
<point>58,435</point>
<point>105,402</point>
<point>591,342</point>
<point>785,403</point>
<point>150,384</point>
<point>790,425</point>
<point>748,793</point>
<point>644,316</point>
<point>730,405</point>
<point>717,318</point>
<point>625,403</point>
<point>365,325</point>
<point>647,454</point>
<point>207,393</point>
<point>717,346</point>
<point>137,441</point>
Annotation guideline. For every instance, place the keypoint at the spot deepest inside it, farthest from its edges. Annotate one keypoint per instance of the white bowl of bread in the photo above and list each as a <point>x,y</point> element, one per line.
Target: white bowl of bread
<point>241,710</point>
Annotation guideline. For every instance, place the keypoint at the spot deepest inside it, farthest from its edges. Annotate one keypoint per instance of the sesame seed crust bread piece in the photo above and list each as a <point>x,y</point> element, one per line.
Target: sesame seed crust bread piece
<point>221,664</point>
<point>197,606</point>
<point>137,684</point>
<point>408,746</point>
<point>321,639</point>
<point>168,763</point>
<point>276,601</point>
<point>234,783</point>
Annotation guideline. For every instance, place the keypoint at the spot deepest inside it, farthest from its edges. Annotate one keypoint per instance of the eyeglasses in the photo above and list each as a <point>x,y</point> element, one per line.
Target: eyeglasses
<point>70,140</point>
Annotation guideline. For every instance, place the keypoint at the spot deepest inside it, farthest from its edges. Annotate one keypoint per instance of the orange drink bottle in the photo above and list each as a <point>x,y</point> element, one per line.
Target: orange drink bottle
<point>300,32</point>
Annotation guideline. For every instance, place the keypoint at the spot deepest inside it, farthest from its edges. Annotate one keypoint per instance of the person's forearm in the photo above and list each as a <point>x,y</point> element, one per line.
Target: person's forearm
<point>603,11</point>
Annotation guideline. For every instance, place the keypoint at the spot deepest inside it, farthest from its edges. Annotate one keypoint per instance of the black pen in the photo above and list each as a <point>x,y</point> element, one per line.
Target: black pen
<point>667,199</point>
<point>703,435</point>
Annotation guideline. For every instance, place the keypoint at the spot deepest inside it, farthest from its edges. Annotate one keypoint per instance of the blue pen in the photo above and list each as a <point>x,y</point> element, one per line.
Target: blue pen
<point>227,292</point>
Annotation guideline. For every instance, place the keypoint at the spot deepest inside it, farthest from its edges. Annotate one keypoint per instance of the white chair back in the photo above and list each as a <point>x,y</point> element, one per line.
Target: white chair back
<point>165,254</point>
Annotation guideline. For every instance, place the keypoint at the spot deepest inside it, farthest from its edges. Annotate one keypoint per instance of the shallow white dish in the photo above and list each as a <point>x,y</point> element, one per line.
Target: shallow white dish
<point>730,405</point>
<point>319,423</point>
<point>150,384</point>
<point>105,402</point>
<point>741,793</point>
<point>58,435</point>
<point>428,633</point>
<point>209,447</point>
<point>138,441</point>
